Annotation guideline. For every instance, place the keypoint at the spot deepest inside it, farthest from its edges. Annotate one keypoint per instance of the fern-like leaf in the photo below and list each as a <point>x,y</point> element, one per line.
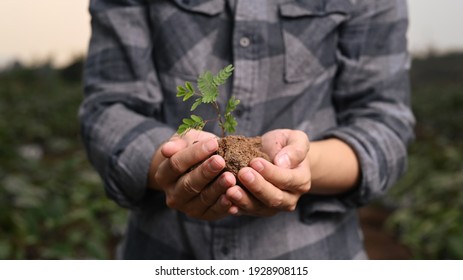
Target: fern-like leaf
<point>231,105</point>
<point>196,104</point>
<point>223,75</point>
<point>194,122</point>
<point>207,87</point>
<point>230,123</point>
<point>181,91</point>
<point>182,129</point>
<point>186,92</point>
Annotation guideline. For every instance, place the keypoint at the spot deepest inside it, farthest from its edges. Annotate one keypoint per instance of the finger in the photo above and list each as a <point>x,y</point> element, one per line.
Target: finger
<point>173,146</point>
<point>296,180</point>
<point>190,185</point>
<point>218,210</point>
<point>211,203</point>
<point>294,150</point>
<point>202,175</point>
<point>193,136</point>
<point>183,160</point>
<point>210,194</point>
<point>243,202</point>
<point>274,141</point>
<point>265,191</point>
<point>246,204</point>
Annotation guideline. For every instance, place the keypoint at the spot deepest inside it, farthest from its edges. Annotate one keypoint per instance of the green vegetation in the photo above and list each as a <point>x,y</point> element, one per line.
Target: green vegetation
<point>208,93</point>
<point>52,203</point>
<point>53,206</point>
<point>429,199</point>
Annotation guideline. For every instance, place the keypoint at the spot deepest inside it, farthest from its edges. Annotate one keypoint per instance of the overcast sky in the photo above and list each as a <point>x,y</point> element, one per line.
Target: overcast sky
<point>33,30</point>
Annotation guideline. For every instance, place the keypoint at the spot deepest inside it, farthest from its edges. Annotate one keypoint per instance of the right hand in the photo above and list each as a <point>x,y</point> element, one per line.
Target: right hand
<point>187,172</point>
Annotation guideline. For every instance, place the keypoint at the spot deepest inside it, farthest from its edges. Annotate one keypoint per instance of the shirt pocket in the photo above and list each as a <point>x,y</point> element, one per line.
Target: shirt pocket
<point>206,7</point>
<point>310,30</point>
<point>184,32</point>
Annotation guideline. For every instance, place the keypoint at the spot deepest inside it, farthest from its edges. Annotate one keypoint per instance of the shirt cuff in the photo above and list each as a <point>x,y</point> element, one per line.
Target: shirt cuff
<point>129,165</point>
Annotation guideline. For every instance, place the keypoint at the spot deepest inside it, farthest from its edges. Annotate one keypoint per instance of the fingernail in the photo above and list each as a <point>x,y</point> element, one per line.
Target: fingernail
<point>169,144</point>
<point>236,195</point>
<point>223,182</point>
<point>247,177</point>
<point>210,146</point>
<point>257,165</point>
<point>283,161</point>
<point>214,165</point>
<point>234,210</point>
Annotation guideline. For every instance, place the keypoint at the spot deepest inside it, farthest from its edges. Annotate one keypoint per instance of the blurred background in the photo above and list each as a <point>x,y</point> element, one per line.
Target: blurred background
<point>53,206</point>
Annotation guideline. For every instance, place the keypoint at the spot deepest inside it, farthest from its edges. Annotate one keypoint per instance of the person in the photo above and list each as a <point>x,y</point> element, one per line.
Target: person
<point>332,71</point>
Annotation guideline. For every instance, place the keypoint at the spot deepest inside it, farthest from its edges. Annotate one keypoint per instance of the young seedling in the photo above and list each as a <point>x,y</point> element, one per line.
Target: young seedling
<point>207,93</point>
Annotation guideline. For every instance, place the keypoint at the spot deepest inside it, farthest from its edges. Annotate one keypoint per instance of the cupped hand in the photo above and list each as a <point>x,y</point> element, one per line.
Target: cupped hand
<point>276,186</point>
<point>190,175</point>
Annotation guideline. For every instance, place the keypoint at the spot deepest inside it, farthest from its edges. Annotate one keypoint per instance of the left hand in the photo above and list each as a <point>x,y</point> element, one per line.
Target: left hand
<point>274,187</point>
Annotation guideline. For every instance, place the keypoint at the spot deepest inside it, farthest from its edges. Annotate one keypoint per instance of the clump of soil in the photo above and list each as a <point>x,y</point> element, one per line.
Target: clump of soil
<point>238,151</point>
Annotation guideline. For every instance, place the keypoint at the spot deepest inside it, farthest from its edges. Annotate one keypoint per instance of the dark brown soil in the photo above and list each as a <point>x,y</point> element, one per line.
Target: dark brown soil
<point>238,151</point>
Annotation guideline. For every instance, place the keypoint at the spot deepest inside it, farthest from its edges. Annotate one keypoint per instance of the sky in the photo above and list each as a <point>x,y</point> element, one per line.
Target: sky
<point>33,31</point>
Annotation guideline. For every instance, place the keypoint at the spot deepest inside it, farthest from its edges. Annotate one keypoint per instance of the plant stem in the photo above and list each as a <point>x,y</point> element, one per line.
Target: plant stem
<point>219,117</point>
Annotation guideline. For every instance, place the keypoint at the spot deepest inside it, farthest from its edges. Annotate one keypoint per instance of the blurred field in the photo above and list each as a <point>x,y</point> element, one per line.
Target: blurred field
<point>428,201</point>
<point>53,206</point>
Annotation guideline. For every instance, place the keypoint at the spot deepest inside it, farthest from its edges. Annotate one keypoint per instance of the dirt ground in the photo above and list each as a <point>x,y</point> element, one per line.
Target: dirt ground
<point>380,244</point>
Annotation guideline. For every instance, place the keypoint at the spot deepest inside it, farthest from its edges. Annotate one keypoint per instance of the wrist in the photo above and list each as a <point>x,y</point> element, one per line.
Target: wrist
<point>334,167</point>
<point>155,162</point>
<point>314,160</point>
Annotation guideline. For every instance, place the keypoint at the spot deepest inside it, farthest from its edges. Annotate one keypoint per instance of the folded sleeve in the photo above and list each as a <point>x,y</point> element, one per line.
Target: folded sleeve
<point>371,98</point>
<point>121,115</point>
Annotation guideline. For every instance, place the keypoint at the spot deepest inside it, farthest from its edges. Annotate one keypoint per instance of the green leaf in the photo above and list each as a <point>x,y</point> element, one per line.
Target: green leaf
<point>190,91</point>
<point>189,87</point>
<point>231,105</point>
<point>181,91</point>
<point>230,123</point>
<point>196,118</point>
<point>187,96</point>
<point>182,129</point>
<point>223,75</point>
<point>207,87</point>
<point>200,126</point>
<point>196,104</point>
<point>194,122</point>
<point>189,122</point>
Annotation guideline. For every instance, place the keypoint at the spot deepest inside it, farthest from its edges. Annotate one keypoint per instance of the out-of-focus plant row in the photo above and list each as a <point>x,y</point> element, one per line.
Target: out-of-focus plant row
<point>429,199</point>
<point>52,204</point>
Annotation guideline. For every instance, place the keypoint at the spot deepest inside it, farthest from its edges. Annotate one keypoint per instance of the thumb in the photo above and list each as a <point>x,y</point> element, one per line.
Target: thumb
<point>173,146</point>
<point>283,160</point>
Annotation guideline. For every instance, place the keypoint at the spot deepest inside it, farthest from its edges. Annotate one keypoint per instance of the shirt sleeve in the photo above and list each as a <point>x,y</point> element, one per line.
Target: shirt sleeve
<point>371,98</point>
<point>121,114</point>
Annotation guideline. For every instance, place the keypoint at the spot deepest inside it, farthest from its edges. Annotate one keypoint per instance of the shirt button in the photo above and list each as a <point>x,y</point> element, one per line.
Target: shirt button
<point>245,42</point>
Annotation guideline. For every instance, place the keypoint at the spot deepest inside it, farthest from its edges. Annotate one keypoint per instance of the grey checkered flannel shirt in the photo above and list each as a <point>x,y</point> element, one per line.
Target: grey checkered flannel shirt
<point>332,68</point>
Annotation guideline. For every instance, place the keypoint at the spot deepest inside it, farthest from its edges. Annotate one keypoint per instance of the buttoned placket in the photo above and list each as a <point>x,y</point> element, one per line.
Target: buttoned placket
<point>226,242</point>
<point>245,48</point>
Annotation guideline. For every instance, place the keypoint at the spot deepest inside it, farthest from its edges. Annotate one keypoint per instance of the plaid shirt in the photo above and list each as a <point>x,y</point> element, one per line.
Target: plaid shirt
<point>332,68</point>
